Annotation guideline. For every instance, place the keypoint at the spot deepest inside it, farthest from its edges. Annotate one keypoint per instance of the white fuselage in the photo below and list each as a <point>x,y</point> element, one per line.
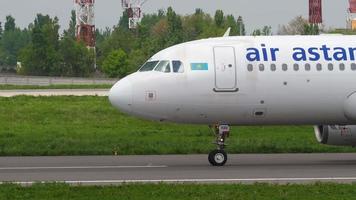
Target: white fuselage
<point>248,81</point>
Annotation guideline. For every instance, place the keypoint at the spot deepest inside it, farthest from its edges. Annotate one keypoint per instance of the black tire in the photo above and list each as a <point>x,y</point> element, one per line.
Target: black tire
<point>217,158</point>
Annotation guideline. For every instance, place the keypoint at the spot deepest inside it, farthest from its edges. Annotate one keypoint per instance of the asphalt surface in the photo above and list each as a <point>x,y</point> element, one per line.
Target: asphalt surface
<point>55,92</point>
<point>101,170</point>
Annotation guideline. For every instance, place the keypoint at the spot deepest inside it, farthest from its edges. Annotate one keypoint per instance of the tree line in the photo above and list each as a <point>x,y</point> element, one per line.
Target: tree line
<point>42,50</point>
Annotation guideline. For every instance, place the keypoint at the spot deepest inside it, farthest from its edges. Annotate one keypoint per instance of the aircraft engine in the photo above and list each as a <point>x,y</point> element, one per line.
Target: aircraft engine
<point>336,135</point>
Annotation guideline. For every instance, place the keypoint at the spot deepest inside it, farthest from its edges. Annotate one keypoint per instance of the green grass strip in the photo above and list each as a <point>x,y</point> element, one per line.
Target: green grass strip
<point>32,87</point>
<point>91,126</point>
<point>317,191</point>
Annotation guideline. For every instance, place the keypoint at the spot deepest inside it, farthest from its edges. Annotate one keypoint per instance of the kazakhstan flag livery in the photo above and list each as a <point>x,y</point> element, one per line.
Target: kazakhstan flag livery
<point>199,66</point>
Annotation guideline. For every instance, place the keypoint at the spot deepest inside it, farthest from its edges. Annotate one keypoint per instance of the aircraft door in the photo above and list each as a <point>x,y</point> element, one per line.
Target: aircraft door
<point>225,69</point>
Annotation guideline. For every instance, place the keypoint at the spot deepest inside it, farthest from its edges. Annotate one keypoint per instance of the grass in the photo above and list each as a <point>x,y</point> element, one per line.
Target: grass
<point>31,87</point>
<point>322,191</point>
<point>91,126</point>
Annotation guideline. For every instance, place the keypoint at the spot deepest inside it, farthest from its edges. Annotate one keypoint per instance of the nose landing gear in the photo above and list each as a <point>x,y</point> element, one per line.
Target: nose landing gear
<point>218,157</point>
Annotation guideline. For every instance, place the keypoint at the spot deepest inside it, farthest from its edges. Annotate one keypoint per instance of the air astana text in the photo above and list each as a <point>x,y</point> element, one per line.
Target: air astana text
<point>303,54</point>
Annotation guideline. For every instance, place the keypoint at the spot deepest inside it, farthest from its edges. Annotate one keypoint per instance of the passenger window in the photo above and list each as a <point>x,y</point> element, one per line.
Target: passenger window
<point>178,66</point>
<point>319,67</point>
<point>250,67</point>
<point>330,67</point>
<point>262,67</point>
<point>163,66</point>
<point>296,67</point>
<point>353,66</point>
<point>284,67</point>
<point>148,66</point>
<point>273,67</point>
<point>307,67</point>
<point>342,67</point>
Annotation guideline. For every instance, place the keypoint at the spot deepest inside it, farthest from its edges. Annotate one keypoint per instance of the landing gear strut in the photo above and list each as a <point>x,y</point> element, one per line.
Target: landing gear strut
<point>218,157</point>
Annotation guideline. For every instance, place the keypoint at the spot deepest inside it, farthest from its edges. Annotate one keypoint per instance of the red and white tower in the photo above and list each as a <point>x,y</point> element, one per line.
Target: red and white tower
<point>133,8</point>
<point>352,14</point>
<point>315,12</point>
<point>85,22</point>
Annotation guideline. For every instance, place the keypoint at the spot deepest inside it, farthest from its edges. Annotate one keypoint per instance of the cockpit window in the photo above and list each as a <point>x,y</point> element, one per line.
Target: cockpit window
<point>177,66</point>
<point>148,66</point>
<point>163,66</point>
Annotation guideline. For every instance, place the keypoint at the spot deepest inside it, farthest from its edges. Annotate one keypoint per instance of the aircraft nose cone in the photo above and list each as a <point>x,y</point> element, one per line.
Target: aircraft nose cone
<point>120,95</point>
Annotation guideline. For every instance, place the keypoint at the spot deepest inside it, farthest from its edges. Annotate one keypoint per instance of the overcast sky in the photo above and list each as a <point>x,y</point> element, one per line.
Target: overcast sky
<point>256,13</point>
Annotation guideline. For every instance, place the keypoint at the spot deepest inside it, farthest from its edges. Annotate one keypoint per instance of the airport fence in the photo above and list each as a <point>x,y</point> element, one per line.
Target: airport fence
<point>45,81</point>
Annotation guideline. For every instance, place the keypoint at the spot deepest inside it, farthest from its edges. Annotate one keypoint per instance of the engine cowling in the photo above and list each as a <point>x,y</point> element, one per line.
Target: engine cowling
<point>336,135</point>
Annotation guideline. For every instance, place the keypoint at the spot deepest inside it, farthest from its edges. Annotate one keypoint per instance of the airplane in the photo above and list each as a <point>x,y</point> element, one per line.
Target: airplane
<point>249,80</point>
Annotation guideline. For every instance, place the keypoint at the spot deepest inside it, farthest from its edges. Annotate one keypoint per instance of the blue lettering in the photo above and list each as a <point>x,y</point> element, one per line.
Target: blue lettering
<point>274,53</point>
<point>314,55</point>
<point>340,54</point>
<point>253,55</point>
<point>299,54</point>
<point>352,53</point>
<point>326,52</point>
<point>303,54</point>
<point>264,52</point>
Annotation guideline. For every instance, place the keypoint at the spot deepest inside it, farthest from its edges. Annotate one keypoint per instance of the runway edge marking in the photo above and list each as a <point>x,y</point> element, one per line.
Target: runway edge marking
<point>187,181</point>
<point>82,167</point>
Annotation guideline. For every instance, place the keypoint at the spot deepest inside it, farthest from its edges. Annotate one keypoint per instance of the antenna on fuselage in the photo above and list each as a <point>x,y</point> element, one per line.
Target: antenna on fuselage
<point>227,33</point>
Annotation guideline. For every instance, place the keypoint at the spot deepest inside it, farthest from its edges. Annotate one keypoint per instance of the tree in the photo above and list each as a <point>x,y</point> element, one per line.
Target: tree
<point>160,13</point>
<point>198,11</point>
<point>41,57</point>
<point>194,25</point>
<point>124,21</point>
<point>12,42</point>
<point>43,52</point>
<point>2,61</point>
<point>231,22</point>
<point>116,64</point>
<point>102,35</point>
<point>119,39</point>
<point>77,60</point>
<point>1,30</point>
<point>72,25</point>
<point>10,24</point>
<point>219,18</point>
<point>241,26</point>
<point>175,28</point>
<point>257,32</point>
<point>136,59</point>
<point>295,27</point>
<point>160,29</point>
<point>299,26</point>
<point>267,30</point>
<point>311,29</point>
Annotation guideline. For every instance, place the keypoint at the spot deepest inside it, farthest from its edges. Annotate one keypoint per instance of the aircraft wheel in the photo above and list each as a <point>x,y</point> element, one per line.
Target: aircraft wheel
<point>217,158</point>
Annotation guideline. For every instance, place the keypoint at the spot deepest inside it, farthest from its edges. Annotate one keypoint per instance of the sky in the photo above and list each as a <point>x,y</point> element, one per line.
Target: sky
<point>256,13</point>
